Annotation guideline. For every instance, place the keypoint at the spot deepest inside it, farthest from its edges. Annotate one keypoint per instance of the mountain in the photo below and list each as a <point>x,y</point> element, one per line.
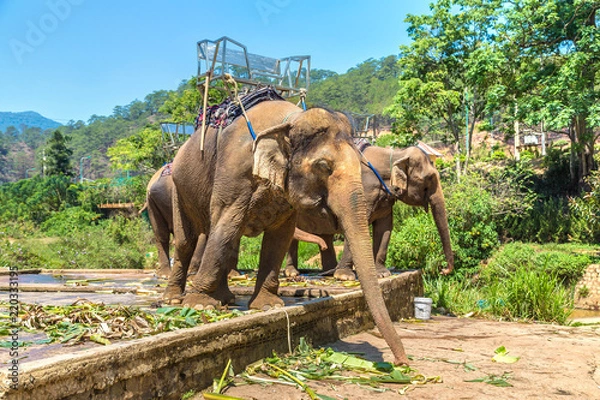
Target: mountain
<point>29,118</point>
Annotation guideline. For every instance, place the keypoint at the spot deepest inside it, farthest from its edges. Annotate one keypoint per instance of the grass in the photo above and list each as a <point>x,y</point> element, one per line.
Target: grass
<point>522,281</point>
<point>250,253</point>
<point>111,244</point>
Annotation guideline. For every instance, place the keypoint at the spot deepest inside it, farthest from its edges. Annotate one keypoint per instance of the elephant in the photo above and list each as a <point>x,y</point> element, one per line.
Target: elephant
<point>159,195</point>
<point>411,178</point>
<point>158,202</point>
<point>243,185</point>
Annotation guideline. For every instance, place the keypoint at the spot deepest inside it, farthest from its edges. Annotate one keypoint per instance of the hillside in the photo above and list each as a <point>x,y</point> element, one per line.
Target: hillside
<point>28,118</point>
<point>365,89</point>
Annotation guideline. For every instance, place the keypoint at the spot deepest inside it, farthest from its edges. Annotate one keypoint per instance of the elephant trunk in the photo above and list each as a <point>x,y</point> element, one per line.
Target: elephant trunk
<point>438,209</point>
<point>350,207</point>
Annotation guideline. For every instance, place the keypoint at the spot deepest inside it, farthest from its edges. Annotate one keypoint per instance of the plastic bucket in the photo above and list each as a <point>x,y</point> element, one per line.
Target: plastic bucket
<point>423,307</point>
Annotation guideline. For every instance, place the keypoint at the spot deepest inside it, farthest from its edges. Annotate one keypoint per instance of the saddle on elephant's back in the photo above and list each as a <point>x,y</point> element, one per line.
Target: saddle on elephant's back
<point>167,170</point>
<point>222,115</point>
<point>361,143</point>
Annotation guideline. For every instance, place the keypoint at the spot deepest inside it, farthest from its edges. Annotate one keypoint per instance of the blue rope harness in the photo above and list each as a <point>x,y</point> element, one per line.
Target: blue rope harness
<point>377,175</point>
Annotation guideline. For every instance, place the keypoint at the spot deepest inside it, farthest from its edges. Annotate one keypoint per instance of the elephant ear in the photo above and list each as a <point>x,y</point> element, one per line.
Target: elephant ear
<point>399,178</point>
<point>271,152</point>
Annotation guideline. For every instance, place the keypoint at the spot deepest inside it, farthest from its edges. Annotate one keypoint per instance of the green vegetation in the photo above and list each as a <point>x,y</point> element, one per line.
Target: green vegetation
<point>522,230</point>
<point>100,323</point>
<point>306,364</point>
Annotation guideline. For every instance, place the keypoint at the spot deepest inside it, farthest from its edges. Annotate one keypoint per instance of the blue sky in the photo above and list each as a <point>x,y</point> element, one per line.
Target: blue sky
<point>70,59</point>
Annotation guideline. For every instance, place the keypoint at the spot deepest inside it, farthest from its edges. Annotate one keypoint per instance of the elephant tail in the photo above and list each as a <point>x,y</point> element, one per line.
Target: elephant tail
<point>143,208</point>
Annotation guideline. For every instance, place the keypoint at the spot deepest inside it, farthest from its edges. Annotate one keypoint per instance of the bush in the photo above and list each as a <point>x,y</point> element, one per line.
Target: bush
<point>472,227</point>
<point>20,255</point>
<point>416,244</point>
<point>456,295</point>
<point>585,212</point>
<point>68,221</point>
<point>565,262</point>
<point>527,294</point>
<point>118,243</point>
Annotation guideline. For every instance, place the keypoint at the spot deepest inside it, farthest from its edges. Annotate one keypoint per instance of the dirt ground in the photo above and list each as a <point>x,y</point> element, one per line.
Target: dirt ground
<point>556,362</point>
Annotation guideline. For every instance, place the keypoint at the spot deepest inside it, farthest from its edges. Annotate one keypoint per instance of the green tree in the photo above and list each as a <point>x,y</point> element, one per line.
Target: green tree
<point>446,72</point>
<point>559,55</point>
<point>140,151</point>
<point>58,155</point>
<point>182,105</point>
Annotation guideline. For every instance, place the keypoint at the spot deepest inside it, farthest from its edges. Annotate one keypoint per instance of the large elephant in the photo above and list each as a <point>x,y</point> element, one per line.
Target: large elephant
<point>159,198</point>
<point>239,186</point>
<point>411,178</point>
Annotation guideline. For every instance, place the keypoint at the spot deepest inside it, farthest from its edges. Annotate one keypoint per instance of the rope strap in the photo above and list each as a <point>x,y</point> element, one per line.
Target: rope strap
<point>372,168</point>
<point>228,79</point>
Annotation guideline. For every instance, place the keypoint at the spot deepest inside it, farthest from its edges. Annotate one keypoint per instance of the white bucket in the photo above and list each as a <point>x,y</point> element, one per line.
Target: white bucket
<point>423,307</point>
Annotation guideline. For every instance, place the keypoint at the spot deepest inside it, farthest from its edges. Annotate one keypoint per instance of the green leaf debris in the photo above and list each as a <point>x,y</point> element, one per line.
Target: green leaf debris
<point>307,364</point>
<point>85,321</point>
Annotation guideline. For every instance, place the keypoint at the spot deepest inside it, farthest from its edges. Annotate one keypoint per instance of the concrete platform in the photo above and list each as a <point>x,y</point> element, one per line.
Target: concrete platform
<point>168,364</point>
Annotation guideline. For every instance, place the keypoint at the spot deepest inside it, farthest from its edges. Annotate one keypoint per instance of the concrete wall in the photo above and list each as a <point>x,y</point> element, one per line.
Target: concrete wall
<point>169,364</point>
<point>591,281</point>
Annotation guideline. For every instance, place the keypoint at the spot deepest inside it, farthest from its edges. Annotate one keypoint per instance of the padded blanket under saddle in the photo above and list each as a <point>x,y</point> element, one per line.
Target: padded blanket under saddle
<point>222,115</point>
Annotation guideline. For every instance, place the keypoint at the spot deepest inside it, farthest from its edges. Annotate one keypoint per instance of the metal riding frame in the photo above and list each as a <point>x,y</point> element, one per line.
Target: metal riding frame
<point>228,61</point>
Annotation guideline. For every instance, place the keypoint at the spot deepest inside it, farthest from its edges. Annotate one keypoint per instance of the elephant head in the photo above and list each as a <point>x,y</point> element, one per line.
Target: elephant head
<point>416,182</point>
<point>312,159</point>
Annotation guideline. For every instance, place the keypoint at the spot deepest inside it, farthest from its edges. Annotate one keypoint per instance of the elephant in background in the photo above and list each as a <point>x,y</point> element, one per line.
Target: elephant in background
<point>300,162</point>
<point>413,179</point>
<point>159,198</point>
<point>160,212</point>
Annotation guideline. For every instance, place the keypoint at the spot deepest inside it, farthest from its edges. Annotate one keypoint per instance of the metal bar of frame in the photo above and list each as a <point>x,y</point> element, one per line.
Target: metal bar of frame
<point>297,81</point>
<point>291,89</point>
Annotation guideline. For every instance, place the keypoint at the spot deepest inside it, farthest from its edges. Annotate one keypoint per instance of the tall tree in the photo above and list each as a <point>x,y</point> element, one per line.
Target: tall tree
<point>58,155</point>
<point>559,47</point>
<point>140,151</point>
<point>446,72</point>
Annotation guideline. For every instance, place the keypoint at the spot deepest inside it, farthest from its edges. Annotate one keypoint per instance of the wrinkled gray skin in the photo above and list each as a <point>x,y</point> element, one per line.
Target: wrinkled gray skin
<point>300,161</point>
<point>412,179</point>
<point>159,197</point>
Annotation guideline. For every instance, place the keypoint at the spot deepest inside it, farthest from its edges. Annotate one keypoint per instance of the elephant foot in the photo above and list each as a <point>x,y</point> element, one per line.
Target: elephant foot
<point>265,300</point>
<point>382,271</point>
<point>173,295</point>
<point>344,274</point>
<point>201,301</point>
<point>290,271</point>
<point>163,272</point>
<point>225,295</point>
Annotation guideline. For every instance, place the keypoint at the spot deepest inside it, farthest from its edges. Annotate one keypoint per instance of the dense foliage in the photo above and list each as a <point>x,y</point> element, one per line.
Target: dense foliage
<point>518,61</point>
<point>472,64</point>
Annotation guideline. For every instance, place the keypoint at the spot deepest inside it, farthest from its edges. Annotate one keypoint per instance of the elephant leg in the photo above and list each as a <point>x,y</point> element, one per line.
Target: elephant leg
<point>328,256</point>
<point>344,270</point>
<point>291,260</point>
<point>184,251</point>
<point>164,265</point>
<point>197,257</point>
<point>162,236</point>
<point>185,240</point>
<point>382,230</point>
<point>274,246</point>
<point>209,285</point>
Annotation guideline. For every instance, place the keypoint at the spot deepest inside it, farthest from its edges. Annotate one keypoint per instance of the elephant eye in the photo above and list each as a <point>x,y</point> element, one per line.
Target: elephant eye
<point>323,166</point>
